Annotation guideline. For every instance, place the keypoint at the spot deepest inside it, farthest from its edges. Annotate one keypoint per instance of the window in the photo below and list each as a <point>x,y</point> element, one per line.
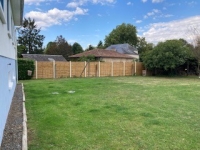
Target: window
<point>8,15</point>
<point>2,4</point>
<point>2,18</point>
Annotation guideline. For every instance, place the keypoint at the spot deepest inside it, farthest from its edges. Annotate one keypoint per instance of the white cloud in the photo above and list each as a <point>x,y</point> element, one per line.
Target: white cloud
<point>164,8</point>
<point>35,2</point>
<point>152,13</point>
<point>157,1</point>
<point>82,2</point>
<point>129,3</point>
<point>144,1</point>
<point>173,30</point>
<point>138,21</point>
<point>54,16</point>
<point>99,15</point>
<point>73,4</point>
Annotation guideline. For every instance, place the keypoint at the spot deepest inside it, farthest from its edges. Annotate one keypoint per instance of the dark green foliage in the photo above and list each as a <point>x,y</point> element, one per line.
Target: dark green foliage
<point>29,39</point>
<point>76,48</point>
<point>100,45</point>
<point>87,58</point>
<point>59,47</point>
<point>143,47</point>
<point>167,56</point>
<point>23,66</point>
<point>124,33</point>
<point>90,48</point>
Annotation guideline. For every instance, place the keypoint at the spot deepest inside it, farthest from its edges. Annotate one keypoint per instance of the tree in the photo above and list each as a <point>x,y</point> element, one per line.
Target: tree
<point>90,48</point>
<point>124,33</point>
<point>59,47</point>
<point>100,45</point>
<point>29,38</point>
<point>143,47</point>
<point>196,52</point>
<point>76,48</point>
<point>166,56</point>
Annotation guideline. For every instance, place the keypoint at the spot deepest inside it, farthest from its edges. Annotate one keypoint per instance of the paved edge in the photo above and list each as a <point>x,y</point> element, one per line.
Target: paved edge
<point>24,135</point>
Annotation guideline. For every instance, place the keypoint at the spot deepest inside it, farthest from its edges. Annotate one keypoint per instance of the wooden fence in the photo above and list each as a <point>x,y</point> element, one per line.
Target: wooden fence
<point>86,69</point>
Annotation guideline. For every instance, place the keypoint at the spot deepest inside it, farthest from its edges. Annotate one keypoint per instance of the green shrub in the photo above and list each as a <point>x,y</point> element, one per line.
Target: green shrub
<point>23,66</point>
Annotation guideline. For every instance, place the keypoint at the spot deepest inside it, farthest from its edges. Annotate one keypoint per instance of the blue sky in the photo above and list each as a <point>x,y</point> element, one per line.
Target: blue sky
<point>89,21</point>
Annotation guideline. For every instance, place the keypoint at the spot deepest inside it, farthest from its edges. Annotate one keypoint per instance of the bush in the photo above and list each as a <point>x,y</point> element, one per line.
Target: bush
<point>23,66</point>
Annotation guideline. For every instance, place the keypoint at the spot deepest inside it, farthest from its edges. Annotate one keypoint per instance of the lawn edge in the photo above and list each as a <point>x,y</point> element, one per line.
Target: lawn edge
<point>24,135</point>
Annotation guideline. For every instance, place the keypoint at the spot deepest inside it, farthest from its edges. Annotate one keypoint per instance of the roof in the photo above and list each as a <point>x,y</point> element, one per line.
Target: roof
<point>102,53</point>
<point>123,49</point>
<point>17,8</point>
<point>42,57</point>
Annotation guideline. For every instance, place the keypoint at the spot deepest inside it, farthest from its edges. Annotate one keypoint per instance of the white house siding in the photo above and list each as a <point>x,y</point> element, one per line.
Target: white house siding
<point>7,88</point>
<point>8,66</point>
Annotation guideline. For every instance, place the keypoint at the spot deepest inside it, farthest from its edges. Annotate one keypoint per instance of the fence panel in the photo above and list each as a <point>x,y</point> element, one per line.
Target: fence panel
<point>62,69</point>
<point>105,69</point>
<point>139,68</point>
<point>92,69</point>
<point>77,68</point>
<point>45,70</point>
<point>118,68</point>
<point>129,68</point>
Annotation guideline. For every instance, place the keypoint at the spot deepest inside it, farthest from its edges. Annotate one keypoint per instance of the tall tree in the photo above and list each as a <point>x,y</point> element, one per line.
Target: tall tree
<point>124,33</point>
<point>143,47</point>
<point>100,45</point>
<point>167,56</point>
<point>76,48</point>
<point>29,38</point>
<point>59,47</point>
<point>90,48</point>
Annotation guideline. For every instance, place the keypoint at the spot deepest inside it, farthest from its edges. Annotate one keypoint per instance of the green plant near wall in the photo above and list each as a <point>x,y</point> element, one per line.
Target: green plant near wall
<point>25,69</point>
<point>87,58</point>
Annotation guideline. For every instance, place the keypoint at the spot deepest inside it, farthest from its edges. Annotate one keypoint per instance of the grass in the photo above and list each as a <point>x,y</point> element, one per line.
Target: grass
<point>113,113</point>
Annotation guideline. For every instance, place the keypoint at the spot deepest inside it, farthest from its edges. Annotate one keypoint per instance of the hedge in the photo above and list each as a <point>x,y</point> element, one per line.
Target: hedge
<point>23,66</point>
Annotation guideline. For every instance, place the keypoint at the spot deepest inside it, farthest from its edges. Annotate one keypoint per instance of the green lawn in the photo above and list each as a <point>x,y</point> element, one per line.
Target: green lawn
<point>113,113</point>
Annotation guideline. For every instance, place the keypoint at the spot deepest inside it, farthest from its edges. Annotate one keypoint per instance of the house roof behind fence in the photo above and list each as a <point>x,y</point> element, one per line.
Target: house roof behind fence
<point>123,48</point>
<point>102,53</point>
<point>42,57</point>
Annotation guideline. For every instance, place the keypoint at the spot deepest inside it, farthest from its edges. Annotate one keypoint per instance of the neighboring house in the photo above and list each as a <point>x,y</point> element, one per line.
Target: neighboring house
<point>11,14</point>
<point>42,57</point>
<point>125,49</point>
<point>104,55</point>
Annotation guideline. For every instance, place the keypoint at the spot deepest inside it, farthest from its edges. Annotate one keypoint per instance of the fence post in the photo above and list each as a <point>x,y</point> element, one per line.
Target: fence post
<point>54,73</point>
<point>36,70</point>
<point>99,69</point>
<point>70,69</point>
<point>124,68</point>
<point>135,68</point>
<point>85,70</point>
<point>112,68</point>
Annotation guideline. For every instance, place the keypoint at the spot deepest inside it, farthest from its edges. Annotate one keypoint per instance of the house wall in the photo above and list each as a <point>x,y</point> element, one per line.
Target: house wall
<point>135,56</point>
<point>7,62</point>
<point>116,60</point>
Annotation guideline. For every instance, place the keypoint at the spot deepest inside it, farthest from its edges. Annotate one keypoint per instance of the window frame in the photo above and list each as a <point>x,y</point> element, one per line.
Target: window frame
<point>2,15</point>
<point>2,4</point>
